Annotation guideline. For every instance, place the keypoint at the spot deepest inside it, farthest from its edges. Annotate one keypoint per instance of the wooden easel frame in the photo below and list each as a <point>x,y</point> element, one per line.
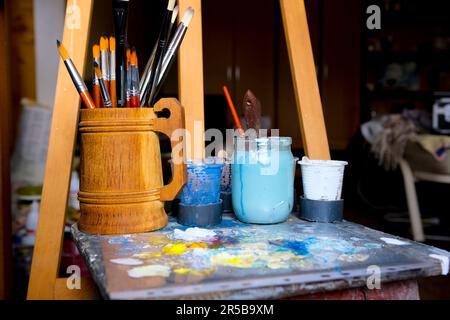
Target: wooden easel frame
<point>44,282</point>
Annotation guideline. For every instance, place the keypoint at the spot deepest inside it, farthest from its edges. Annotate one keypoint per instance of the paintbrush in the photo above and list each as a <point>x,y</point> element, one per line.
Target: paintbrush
<point>97,94</point>
<point>252,107</point>
<point>104,55</point>
<point>128,78</point>
<point>112,71</point>
<point>134,91</point>
<point>120,13</point>
<point>172,51</point>
<point>145,80</point>
<point>105,94</point>
<point>76,78</point>
<point>175,12</point>
<point>233,111</point>
<point>161,48</point>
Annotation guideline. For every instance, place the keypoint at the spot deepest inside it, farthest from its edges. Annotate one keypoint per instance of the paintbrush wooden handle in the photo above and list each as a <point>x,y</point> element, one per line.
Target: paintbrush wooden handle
<point>87,100</point>
<point>97,96</point>
<point>113,93</point>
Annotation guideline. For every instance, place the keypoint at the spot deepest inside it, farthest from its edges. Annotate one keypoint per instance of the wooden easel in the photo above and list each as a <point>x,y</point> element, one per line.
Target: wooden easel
<point>44,281</point>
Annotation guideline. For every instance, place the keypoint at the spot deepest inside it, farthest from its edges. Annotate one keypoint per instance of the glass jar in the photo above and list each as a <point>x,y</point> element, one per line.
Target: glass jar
<point>263,180</point>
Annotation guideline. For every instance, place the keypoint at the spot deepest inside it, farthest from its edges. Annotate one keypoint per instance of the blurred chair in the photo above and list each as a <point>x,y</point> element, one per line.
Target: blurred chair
<point>410,178</point>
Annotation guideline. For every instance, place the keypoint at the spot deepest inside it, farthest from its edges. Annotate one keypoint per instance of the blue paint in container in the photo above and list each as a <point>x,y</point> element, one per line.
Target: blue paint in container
<point>204,180</point>
<point>263,180</point>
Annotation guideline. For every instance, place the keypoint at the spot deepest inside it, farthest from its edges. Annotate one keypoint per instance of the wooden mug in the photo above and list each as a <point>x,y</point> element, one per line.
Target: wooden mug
<point>121,182</point>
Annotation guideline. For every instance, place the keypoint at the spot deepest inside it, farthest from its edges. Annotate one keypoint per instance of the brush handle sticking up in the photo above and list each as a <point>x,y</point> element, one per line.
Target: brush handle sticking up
<point>104,54</point>
<point>97,94</point>
<point>172,52</point>
<point>175,12</point>
<point>144,83</point>
<point>120,14</point>
<point>134,92</point>
<point>105,94</point>
<point>76,78</point>
<point>129,78</point>
<point>233,111</point>
<point>161,48</point>
<point>112,67</point>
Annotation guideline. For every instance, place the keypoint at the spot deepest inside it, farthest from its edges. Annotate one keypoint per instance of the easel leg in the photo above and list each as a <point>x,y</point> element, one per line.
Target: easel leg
<point>191,81</point>
<point>304,75</point>
<point>47,251</point>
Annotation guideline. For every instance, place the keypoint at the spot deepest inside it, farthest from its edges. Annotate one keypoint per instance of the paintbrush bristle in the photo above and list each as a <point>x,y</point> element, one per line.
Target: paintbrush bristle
<point>62,50</point>
<point>128,54</point>
<point>96,51</point>
<point>104,44</point>
<point>188,15</point>
<point>171,5</point>
<point>175,14</point>
<point>134,60</point>
<point>112,43</point>
<point>98,72</point>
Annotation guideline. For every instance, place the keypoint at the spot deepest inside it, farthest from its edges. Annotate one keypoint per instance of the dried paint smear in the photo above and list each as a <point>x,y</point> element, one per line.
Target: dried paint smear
<point>223,253</point>
<point>150,271</point>
<point>127,262</point>
<point>193,234</point>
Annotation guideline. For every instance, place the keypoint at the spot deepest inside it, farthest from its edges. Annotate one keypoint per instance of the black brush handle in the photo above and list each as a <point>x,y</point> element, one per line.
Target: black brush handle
<point>120,12</point>
<point>162,43</point>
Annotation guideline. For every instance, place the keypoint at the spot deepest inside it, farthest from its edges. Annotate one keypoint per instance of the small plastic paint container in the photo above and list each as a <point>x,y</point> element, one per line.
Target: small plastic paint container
<point>204,181</point>
<point>322,180</point>
<point>263,180</point>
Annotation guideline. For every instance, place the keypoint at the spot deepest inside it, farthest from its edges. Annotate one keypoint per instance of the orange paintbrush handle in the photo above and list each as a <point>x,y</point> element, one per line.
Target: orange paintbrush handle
<point>113,93</point>
<point>135,103</point>
<point>87,100</point>
<point>97,96</point>
<point>233,109</point>
<point>108,85</point>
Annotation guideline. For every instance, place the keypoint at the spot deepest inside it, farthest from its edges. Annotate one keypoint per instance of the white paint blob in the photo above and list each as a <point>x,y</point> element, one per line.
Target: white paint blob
<point>127,262</point>
<point>394,242</point>
<point>194,234</point>
<point>149,271</point>
<point>444,263</point>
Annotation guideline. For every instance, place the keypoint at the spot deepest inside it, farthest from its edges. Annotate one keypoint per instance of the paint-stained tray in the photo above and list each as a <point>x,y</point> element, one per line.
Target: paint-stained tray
<point>239,261</point>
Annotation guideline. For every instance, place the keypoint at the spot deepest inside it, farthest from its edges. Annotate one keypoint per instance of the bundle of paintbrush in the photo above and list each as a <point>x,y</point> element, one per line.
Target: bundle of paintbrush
<point>116,81</point>
<point>164,53</point>
<point>106,86</point>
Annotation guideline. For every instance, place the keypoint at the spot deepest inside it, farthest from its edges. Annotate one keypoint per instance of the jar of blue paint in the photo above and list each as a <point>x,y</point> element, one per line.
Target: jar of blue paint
<point>263,180</point>
<point>204,180</point>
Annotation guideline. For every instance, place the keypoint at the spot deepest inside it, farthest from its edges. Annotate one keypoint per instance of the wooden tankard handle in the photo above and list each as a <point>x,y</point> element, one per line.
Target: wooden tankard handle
<point>167,127</point>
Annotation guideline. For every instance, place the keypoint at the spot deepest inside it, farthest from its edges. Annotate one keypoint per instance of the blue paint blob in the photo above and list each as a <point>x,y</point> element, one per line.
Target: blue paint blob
<point>300,248</point>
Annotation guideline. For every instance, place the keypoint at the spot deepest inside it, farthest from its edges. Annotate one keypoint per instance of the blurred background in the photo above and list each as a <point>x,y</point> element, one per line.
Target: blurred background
<point>385,92</point>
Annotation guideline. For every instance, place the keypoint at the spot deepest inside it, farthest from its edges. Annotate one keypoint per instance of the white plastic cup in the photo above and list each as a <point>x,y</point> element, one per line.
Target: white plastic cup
<point>322,180</point>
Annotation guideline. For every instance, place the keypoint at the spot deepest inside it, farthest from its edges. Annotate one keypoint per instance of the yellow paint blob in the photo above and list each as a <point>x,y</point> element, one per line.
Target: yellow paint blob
<point>158,241</point>
<point>185,271</point>
<point>198,245</point>
<point>227,260</point>
<point>234,261</point>
<point>174,249</point>
<point>147,255</point>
